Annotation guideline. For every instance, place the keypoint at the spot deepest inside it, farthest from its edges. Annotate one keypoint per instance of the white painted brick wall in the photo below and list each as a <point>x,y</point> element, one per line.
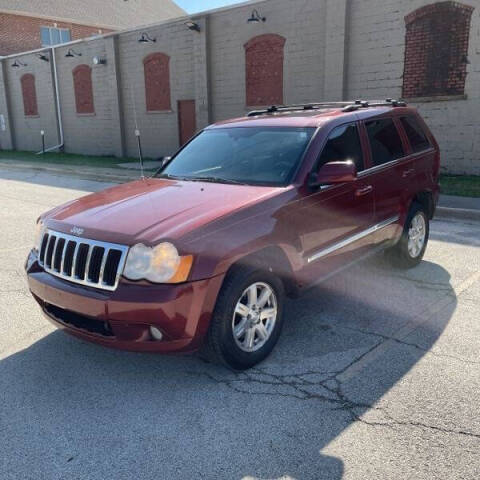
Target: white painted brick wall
<point>320,64</point>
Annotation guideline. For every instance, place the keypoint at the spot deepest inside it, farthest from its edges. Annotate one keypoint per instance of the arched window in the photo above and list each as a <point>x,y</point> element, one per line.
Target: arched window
<point>29,94</point>
<point>82,84</point>
<point>157,82</point>
<point>264,70</point>
<point>436,50</point>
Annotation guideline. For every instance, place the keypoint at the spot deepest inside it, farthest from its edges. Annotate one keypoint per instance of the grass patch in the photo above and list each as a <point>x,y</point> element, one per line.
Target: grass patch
<point>461,185</point>
<point>64,158</point>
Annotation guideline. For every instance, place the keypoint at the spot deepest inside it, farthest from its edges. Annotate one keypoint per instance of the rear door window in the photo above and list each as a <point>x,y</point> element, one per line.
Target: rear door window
<point>343,144</point>
<point>385,141</point>
<point>416,136</point>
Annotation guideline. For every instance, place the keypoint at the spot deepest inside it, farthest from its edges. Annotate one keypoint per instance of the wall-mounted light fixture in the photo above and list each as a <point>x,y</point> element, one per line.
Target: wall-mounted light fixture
<point>43,56</point>
<point>256,17</point>
<point>191,25</point>
<point>146,38</point>
<point>18,64</point>
<point>99,60</point>
<point>72,53</point>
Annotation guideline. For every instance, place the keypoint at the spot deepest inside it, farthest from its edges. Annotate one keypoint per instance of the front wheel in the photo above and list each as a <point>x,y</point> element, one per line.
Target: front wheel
<point>410,249</point>
<point>247,319</point>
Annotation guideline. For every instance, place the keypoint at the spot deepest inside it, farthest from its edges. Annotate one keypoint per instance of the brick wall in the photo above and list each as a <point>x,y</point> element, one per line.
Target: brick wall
<point>20,33</point>
<point>436,50</point>
<point>264,62</point>
<point>333,49</point>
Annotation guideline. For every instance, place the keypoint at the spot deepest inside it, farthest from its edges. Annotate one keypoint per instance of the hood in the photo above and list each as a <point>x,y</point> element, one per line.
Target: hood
<point>153,209</point>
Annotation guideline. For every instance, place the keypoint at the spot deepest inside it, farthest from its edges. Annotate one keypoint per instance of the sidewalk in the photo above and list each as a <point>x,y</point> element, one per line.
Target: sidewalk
<point>103,174</point>
<point>449,206</point>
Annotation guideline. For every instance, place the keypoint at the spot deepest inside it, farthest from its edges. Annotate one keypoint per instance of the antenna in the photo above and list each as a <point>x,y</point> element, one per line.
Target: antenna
<point>137,134</point>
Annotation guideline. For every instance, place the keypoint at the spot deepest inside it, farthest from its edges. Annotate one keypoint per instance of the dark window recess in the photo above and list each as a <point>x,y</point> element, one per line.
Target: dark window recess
<point>416,136</point>
<point>343,144</point>
<point>385,141</point>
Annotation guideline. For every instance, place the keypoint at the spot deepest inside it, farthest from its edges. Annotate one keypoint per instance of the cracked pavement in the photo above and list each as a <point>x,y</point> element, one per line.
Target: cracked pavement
<point>376,375</point>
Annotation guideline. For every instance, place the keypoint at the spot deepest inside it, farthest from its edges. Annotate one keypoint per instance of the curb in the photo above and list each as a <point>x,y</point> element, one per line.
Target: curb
<point>458,213</point>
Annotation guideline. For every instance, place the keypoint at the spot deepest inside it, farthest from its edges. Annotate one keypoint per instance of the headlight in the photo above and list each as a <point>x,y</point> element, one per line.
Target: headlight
<point>39,232</point>
<point>160,264</point>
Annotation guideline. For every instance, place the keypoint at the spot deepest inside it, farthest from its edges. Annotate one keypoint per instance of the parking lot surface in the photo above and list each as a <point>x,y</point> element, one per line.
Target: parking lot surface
<point>376,375</point>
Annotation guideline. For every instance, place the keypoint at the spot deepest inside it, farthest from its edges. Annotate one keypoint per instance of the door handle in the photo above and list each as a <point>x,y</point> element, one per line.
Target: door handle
<point>407,173</point>
<point>363,191</point>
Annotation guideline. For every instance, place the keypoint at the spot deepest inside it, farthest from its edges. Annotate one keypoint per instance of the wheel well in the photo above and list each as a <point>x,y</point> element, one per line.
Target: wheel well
<point>426,200</point>
<point>272,259</point>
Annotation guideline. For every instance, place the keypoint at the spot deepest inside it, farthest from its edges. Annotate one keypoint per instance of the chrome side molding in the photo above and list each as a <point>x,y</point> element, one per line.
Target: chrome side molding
<point>354,238</point>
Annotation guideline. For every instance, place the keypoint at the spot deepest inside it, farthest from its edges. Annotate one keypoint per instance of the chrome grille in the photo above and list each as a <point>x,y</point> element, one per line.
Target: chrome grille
<point>79,260</point>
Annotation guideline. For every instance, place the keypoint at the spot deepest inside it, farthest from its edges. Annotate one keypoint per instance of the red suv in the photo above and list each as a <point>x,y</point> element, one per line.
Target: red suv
<point>248,212</point>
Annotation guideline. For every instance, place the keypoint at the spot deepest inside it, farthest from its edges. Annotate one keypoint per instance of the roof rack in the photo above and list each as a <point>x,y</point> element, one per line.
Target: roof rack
<point>345,106</point>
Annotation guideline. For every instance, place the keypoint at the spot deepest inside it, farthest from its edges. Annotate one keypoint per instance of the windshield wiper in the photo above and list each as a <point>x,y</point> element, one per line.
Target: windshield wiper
<point>215,180</point>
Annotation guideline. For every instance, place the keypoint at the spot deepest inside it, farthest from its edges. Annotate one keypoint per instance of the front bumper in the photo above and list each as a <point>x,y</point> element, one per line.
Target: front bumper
<point>122,318</point>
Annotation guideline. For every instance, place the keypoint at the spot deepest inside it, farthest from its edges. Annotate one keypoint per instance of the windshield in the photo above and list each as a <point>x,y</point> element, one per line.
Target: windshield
<point>247,155</point>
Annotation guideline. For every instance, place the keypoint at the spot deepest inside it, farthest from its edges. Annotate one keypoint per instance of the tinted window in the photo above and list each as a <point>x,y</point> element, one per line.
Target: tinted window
<point>262,156</point>
<point>416,136</point>
<point>343,144</point>
<point>385,141</point>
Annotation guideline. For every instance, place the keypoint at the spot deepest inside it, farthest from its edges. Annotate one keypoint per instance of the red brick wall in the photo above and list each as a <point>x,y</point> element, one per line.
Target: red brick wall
<point>82,84</point>
<point>436,50</point>
<point>264,70</point>
<point>19,33</point>
<point>29,94</point>
<point>157,82</point>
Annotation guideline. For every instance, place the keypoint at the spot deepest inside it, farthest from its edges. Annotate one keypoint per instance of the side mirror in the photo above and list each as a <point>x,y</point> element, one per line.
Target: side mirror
<point>333,173</point>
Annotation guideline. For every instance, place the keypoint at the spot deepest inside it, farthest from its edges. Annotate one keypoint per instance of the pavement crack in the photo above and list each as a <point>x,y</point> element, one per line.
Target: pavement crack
<point>412,344</point>
<point>399,423</point>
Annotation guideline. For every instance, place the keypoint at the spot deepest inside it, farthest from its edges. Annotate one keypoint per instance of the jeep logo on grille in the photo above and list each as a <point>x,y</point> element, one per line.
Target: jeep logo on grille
<point>77,231</point>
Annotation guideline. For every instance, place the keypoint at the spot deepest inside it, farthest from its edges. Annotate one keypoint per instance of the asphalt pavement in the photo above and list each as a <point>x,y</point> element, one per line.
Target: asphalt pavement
<point>376,375</point>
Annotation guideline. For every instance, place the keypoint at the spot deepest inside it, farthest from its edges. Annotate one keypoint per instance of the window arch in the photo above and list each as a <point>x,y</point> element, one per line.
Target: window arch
<point>29,95</point>
<point>264,57</point>
<point>157,82</point>
<point>436,50</point>
<point>82,84</point>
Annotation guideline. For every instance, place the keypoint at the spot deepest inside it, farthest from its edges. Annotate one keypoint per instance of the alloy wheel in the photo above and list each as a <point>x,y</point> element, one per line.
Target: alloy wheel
<point>254,317</point>
<point>416,235</point>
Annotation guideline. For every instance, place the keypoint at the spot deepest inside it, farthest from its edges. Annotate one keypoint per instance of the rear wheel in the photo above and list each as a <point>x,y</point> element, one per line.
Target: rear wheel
<point>247,319</point>
<point>410,249</point>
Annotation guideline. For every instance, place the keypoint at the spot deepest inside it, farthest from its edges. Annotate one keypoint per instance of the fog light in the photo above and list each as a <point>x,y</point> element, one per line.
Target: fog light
<point>156,333</point>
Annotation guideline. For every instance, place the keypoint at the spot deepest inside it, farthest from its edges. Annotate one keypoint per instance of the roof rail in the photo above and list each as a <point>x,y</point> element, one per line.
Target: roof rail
<point>345,106</point>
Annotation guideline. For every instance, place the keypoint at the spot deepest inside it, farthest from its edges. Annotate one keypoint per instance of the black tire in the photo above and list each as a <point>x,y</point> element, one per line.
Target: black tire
<point>220,344</point>
<point>399,255</point>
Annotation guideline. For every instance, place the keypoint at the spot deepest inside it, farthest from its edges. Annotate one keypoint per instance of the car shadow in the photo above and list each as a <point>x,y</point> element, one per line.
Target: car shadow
<point>76,410</point>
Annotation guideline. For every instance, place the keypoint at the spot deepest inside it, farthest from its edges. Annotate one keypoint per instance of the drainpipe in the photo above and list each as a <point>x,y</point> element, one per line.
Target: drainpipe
<point>57,101</point>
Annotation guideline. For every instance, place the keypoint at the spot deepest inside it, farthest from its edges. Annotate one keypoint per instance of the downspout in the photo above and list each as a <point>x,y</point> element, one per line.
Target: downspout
<point>57,101</point>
